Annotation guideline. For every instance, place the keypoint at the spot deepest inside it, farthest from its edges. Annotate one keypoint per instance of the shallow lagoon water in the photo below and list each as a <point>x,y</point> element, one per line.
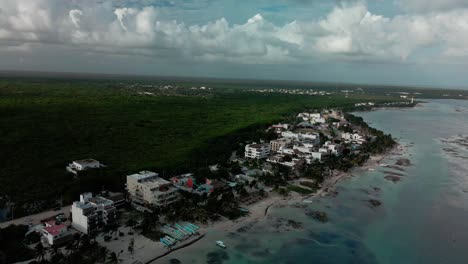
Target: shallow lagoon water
<point>423,218</point>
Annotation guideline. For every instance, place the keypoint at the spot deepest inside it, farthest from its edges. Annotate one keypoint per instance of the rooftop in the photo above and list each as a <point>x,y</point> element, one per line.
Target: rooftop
<point>156,183</point>
<point>55,229</point>
<point>82,205</point>
<point>86,161</point>
<point>143,175</point>
<point>257,146</point>
<point>305,124</point>
<point>149,179</point>
<point>281,140</point>
<point>100,200</point>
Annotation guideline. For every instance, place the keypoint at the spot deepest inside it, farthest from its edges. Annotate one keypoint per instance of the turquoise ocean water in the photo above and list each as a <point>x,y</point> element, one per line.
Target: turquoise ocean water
<point>422,219</point>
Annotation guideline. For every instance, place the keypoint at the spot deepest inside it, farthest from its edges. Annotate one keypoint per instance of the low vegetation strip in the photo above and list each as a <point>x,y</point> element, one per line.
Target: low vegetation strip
<point>299,189</point>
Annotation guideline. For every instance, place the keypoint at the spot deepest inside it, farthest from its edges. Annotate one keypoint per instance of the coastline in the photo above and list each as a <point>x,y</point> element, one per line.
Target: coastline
<point>259,211</point>
<point>148,251</point>
<point>372,163</point>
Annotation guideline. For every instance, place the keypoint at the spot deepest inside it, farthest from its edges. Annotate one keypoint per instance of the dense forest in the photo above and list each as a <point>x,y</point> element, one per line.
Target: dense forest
<point>48,123</point>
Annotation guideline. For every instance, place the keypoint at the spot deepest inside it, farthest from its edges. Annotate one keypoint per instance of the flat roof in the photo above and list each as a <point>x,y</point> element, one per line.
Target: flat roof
<point>257,145</point>
<point>155,183</point>
<point>100,200</point>
<point>281,140</point>
<point>82,205</point>
<point>142,175</point>
<point>86,161</point>
<point>54,230</point>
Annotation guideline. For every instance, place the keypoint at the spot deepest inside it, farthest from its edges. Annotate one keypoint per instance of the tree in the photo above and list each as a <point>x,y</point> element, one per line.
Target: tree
<point>131,222</point>
<point>202,174</point>
<point>150,221</point>
<point>262,192</point>
<point>102,255</point>
<point>112,258</point>
<point>70,248</point>
<point>235,168</point>
<point>131,246</point>
<point>84,242</point>
<point>55,253</point>
<point>40,252</point>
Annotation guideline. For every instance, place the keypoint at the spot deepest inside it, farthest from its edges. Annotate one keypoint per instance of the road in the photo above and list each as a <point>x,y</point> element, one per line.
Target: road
<point>36,218</point>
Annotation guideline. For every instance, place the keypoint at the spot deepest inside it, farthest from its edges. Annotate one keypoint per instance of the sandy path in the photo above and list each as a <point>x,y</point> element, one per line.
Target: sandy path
<point>36,218</point>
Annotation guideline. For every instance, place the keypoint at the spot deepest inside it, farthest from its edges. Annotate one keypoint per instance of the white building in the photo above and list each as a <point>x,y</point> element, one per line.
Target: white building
<point>331,148</point>
<point>56,234</point>
<point>303,149</point>
<point>313,137</point>
<point>91,213</point>
<point>312,117</point>
<point>147,188</point>
<point>350,137</point>
<point>81,165</point>
<point>290,135</point>
<point>316,118</point>
<point>304,116</point>
<point>277,144</point>
<point>287,151</point>
<point>244,178</point>
<point>280,126</point>
<point>257,151</point>
<point>316,155</point>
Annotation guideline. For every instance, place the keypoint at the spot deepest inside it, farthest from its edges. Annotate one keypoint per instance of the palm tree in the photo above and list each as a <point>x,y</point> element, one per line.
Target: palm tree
<point>40,252</point>
<point>55,253</point>
<point>112,258</point>
<point>70,248</point>
<point>84,242</point>
<point>102,255</point>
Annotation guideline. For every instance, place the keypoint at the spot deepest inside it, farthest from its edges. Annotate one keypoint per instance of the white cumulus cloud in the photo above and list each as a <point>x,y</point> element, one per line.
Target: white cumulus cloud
<point>349,31</point>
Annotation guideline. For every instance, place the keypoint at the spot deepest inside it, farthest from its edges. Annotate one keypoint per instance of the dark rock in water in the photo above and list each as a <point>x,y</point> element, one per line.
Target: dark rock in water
<point>376,189</point>
<point>364,191</point>
<point>232,235</point>
<point>217,257</point>
<point>393,173</point>
<point>332,193</point>
<point>244,228</point>
<point>319,216</point>
<point>325,237</point>
<point>393,178</point>
<point>375,203</point>
<point>262,254</point>
<point>175,261</point>
<point>294,224</point>
<point>395,167</point>
<point>403,162</point>
<point>300,206</point>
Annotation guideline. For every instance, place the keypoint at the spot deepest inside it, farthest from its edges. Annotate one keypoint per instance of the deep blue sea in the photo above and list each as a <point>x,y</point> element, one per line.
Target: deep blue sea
<point>423,218</point>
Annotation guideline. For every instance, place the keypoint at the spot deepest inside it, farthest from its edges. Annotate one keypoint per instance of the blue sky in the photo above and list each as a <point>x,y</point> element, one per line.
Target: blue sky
<point>400,42</point>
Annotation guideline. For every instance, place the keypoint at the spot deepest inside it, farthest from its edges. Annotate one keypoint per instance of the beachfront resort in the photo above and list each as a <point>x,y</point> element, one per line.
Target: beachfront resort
<point>155,215</point>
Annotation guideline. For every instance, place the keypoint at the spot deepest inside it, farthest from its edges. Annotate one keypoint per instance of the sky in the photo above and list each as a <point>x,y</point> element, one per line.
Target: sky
<point>397,42</point>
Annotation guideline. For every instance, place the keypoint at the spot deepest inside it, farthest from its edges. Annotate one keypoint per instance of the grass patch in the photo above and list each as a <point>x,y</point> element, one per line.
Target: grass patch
<point>311,185</point>
<point>299,189</point>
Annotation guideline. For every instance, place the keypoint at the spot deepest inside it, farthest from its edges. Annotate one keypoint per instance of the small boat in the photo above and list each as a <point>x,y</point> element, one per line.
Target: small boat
<point>220,244</point>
